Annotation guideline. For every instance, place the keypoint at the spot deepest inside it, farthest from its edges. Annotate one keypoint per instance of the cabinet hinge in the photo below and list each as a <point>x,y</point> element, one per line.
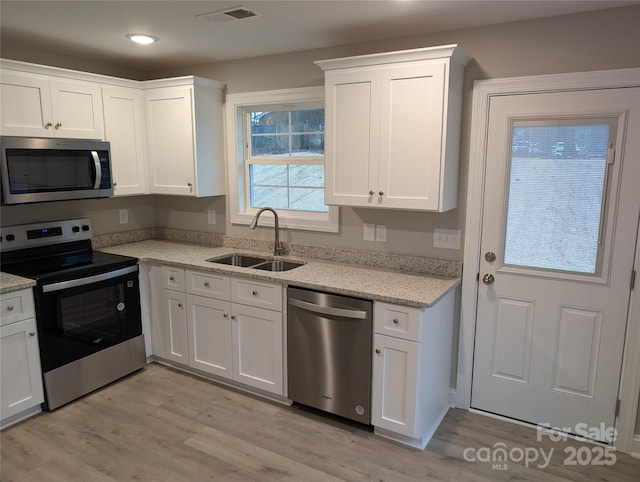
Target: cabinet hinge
<point>633,279</point>
<point>611,154</point>
<point>617,407</point>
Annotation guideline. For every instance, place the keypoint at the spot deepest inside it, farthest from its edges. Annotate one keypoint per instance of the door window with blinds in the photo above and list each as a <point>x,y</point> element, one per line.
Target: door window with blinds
<point>557,193</point>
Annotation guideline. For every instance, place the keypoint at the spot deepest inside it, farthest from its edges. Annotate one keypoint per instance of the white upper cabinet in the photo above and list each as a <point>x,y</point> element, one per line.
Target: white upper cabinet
<point>42,106</point>
<point>185,136</point>
<point>123,123</point>
<point>393,129</point>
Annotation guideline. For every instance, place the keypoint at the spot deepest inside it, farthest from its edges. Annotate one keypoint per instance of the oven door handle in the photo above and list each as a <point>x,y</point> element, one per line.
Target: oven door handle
<point>63,285</point>
<point>98,169</point>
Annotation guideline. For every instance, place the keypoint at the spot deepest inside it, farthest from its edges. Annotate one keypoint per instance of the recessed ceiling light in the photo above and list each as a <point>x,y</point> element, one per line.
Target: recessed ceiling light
<point>141,38</point>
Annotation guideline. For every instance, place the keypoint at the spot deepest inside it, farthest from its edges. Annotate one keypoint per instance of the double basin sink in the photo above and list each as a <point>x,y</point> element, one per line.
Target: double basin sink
<point>255,262</point>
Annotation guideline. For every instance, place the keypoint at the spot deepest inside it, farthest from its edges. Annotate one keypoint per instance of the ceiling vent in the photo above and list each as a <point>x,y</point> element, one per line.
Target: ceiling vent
<point>228,15</point>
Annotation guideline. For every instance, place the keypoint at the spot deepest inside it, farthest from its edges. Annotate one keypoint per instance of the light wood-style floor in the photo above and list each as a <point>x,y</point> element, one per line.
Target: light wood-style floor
<point>163,425</point>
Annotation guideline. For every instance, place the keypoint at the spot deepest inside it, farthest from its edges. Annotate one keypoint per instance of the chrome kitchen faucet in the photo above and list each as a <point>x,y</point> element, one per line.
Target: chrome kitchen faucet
<point>278,249</point>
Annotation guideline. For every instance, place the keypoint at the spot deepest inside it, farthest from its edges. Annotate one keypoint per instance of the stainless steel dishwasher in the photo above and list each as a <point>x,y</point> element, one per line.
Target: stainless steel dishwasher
<point>329,352</point>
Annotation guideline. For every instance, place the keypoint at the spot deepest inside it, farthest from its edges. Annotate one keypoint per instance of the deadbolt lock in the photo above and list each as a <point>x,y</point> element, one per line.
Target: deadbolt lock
<point>490,256</point>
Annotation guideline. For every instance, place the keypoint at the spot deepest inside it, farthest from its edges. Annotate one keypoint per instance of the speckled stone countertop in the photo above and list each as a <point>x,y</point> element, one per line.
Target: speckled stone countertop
<point>412,289</point>
<point>10,282</point>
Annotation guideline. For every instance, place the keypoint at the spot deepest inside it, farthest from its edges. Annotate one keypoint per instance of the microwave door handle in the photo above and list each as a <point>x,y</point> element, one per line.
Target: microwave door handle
<point>98,169</point>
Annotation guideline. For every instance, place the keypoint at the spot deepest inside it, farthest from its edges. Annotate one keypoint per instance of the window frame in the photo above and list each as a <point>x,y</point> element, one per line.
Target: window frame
<point>240,212</point>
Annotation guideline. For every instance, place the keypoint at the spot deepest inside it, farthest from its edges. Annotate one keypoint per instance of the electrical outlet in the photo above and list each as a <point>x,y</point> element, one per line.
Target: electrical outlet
<point>446,238</point>
<point>124,216</point>
<point>381,232</point>
<point>369,232</point>
<point>211,216</point>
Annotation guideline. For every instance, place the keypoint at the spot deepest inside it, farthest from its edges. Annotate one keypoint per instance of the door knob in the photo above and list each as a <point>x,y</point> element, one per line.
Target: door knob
<point>488,279</point>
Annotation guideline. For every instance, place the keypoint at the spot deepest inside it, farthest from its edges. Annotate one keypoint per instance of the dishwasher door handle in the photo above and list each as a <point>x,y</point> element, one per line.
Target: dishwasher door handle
<point>328,310</point>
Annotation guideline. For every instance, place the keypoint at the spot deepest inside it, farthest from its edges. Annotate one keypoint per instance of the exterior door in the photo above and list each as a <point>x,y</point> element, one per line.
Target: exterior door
<point>559,227</point>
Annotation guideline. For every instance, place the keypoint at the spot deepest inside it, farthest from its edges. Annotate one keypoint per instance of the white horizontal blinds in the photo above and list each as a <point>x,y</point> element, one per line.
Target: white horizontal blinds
<point>557,188</point>
<point>285,158</point>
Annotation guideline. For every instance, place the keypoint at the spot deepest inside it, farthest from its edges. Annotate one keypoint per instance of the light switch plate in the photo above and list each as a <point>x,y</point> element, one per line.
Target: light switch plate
<point>124,216</point>
<point>369,232</point>
<point>446,238</point>
<point>381,232</point>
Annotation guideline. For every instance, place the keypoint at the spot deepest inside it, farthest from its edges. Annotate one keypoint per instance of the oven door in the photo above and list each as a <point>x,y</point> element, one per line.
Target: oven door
<point>82,316</point>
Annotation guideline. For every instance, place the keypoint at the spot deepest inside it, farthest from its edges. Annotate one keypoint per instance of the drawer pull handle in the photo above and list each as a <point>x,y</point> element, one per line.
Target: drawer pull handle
<point>32,333</point>
<point>10,307</point>
<point>396,321</point>
<point>233,317</point>
<point>377,351</point>
<point>206,283</point>
<point>225,315</point>
<point>179,305</point>
<point>171,278</point>
<point>254,293</point>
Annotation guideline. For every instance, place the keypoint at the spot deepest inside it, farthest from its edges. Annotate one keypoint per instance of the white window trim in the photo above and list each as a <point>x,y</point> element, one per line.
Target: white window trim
<point>239,212</point>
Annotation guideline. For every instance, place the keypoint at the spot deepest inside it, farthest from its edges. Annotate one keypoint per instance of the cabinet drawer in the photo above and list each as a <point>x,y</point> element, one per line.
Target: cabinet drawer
<point>16,306</point>
<point>256,293</point>
<point>398,321</point>
<point>173,278</point>
<point>209,284</point>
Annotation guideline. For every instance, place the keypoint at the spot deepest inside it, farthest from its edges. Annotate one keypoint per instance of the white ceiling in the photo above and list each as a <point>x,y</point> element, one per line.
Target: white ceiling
<point>97,28</point>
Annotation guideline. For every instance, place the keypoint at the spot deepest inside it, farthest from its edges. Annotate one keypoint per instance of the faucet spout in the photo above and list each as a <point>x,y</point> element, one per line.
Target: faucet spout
<point>278,249</point>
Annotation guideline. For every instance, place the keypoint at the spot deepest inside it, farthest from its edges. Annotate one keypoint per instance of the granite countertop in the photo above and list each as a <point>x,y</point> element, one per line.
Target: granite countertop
<point>418,290</point>
<point>11,282</point>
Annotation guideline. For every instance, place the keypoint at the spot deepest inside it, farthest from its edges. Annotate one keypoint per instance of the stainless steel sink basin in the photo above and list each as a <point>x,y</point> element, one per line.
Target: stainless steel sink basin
<point>278,265</point>
<point>254,262</point>
<point>238,260</point>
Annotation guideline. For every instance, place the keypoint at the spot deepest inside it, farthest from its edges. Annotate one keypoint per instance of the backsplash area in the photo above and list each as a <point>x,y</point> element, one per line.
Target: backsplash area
<point>395,262</point>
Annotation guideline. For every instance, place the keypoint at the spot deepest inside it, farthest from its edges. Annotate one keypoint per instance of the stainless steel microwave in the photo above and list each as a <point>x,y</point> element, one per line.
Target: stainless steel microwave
<point>41,169</point>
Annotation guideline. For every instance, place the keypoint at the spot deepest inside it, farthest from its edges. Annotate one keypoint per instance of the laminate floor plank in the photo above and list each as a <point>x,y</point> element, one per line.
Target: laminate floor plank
<point>163,425</point>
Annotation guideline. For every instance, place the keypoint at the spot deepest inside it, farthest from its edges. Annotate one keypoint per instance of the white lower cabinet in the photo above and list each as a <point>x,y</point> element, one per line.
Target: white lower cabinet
<point>21,384</point>
<point>412,369</point>
<point>219,325</point>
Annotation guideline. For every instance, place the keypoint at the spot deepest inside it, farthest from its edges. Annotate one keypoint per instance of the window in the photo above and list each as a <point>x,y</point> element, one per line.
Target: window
<point>276,157</point>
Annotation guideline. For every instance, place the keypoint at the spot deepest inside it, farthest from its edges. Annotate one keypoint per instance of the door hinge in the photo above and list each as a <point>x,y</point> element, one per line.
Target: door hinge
<point>633,279</point>
<point>477,277</point>
<point>611,153</point>
<point>617,407</point>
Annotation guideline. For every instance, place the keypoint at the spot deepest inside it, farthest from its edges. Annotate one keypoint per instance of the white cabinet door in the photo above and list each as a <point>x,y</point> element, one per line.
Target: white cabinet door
<point>257,342</point>
<point>210,339</point>
<point>411,116</point>
<point>170,135</point>
<point>21,384</point>
<point>123,123</point>
<point>35,105</point>
<point>174,327</point>
<point>395,385</point>
<point>26,105</point>
<point>77,110</point>
<point>352,110</point>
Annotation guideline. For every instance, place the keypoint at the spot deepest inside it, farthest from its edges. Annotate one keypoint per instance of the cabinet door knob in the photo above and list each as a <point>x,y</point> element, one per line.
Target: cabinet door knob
<point>377,351</point>
<point>206,283</point>
<point>32,333</point>
<point>233,317</point>
<point>171,278</point>
<point>225,315</point>
<point>370,193</point>
<point>179,305</point>
<point>396,321</point>
<point>380,193</point>
<point>10,308</point>
<point>47,125</point>
<point>58,125</point>
<point>254,293</point>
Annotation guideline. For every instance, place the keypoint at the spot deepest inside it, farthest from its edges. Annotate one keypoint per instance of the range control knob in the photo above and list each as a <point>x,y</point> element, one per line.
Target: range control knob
<point>9,237</point>
<point>85,227</point>
<point>75,229</point>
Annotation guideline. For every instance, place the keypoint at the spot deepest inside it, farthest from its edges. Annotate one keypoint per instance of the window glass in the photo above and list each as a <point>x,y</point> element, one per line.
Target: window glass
<point>557,190</point>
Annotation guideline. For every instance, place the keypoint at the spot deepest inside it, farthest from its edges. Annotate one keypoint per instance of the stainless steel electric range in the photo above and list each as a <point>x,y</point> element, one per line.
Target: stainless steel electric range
<point>87,306</point>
